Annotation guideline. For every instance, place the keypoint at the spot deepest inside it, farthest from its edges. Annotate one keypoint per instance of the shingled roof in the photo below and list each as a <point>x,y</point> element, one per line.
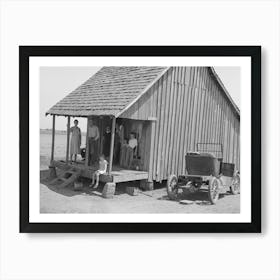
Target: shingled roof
<point>108,92</point>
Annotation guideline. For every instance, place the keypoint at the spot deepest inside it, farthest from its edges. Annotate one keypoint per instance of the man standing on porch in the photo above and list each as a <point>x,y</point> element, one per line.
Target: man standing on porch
<point>93,136</point>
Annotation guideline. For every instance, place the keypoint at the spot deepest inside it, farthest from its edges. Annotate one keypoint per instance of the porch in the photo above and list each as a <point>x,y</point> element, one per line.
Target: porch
<point>117,174</point>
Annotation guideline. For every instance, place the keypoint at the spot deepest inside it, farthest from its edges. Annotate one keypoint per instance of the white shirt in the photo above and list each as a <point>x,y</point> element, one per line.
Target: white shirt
<point>103,166</point>
<point>132,143</point>
<point>93,132</point>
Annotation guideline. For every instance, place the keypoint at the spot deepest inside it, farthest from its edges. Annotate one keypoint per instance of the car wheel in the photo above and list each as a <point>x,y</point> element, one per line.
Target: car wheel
<point>172,187</point>
<point>214,189</point>
<point>235,186</point>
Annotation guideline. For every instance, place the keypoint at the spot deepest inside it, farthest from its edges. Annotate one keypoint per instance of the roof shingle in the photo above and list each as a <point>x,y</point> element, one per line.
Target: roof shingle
<point>108,92</point>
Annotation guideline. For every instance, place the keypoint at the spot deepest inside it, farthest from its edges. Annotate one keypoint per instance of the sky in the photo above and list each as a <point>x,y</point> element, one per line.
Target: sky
<point>230,77</point>
<point>57,82</point>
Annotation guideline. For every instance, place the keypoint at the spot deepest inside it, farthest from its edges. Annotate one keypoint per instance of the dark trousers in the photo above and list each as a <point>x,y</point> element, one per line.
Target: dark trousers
<point>93,151</point>
<point>117,149</point>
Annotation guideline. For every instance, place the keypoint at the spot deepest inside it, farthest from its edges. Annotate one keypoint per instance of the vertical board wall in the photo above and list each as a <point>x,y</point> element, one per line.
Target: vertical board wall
<point>190,108</point>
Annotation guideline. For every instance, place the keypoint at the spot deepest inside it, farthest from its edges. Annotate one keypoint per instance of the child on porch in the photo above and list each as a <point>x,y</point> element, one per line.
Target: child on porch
<point>102,169</point>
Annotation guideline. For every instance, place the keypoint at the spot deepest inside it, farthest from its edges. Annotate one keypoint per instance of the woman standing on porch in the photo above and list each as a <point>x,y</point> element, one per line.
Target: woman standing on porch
<point>75,143</point>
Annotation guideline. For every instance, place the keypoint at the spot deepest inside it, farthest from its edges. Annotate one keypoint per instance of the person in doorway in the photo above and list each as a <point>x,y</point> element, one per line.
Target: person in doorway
<point>131,149</point>
<point>121,131</point>
<point>93,137</point>
<point>75,142</point>
<point>107,142</point>
<point>132,143</point>
<point>101,170</point>
<point>123,150</point>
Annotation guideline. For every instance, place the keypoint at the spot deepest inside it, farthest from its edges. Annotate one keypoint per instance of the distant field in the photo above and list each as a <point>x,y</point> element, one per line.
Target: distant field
<point>60,146</point>
<point>57,132</point>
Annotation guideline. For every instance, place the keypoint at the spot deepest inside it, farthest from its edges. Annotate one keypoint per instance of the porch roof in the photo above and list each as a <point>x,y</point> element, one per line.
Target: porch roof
<point>109,92</point>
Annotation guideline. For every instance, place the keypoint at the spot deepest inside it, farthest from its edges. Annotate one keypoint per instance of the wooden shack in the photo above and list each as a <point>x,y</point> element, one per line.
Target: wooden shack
<point>172,110</point>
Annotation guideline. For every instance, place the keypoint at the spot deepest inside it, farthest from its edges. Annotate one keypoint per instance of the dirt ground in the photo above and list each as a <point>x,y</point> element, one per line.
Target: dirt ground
<point>65,200</point>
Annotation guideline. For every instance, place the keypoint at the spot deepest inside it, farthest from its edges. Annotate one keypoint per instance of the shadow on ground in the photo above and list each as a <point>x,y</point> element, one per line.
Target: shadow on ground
<point>86,190</point>
<point>199,198</point>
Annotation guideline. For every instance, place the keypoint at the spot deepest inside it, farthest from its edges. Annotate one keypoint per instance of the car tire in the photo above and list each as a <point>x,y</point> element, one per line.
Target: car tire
<point>171,187</point>
<point>214,190</point>
<point>235,186</point>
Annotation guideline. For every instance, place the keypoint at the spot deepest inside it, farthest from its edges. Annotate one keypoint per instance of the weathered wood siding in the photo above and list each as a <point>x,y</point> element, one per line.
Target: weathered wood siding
<point>190,108</point>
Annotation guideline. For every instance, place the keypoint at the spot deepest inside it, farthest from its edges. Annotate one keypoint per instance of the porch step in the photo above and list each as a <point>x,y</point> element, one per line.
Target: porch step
<point>66,178</point>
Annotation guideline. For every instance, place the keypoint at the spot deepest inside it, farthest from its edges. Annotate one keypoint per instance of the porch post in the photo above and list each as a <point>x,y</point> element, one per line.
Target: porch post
<point>112,144</point>
<point>53,138</point>
<point>68,134</point>
<point>87,144</point>
<point>151,158</point>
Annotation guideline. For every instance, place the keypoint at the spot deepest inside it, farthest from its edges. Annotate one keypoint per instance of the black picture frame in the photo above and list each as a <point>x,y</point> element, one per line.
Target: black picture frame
<point>25,52</point>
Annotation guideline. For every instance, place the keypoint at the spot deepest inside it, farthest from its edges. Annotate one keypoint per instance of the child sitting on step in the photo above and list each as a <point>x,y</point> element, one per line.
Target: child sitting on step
<point>102,169</point>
